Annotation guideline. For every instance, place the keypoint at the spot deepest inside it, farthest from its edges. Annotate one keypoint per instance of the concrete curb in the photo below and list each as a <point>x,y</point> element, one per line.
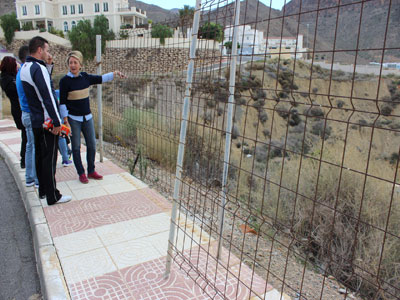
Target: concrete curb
<point>51,276</point>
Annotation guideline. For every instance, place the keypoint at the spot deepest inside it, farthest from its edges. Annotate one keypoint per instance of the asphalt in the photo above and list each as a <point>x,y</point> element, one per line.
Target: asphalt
<point>21,280</point>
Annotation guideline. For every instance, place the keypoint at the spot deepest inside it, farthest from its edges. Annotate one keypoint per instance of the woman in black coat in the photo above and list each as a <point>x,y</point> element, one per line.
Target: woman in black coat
<point>9,69</point>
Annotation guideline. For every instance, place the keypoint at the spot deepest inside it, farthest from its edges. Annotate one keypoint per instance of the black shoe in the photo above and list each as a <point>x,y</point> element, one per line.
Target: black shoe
<point>22,164</point>
<point>41,197</point>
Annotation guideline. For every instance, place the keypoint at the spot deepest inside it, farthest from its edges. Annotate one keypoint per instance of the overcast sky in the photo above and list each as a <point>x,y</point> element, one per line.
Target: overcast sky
<point>180,3</point>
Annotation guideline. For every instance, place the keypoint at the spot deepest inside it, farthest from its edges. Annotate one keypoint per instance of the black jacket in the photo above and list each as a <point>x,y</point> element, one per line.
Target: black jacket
<point>9,87</point>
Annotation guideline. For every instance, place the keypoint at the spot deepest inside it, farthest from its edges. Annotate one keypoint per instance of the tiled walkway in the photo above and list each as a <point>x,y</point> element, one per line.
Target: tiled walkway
<point>111,239</point>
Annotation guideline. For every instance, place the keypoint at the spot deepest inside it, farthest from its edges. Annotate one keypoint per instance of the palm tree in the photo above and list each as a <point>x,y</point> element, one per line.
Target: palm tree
<point>186,18</point>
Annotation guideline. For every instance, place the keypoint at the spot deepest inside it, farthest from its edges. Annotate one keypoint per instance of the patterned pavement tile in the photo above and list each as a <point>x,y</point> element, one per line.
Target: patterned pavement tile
<point>87,265</point>
<point>8,134</point>
<point>133,229</point>
<point>81,215</point>
<point>105,168</point>
<point>157,198</point>
<point>13,141</point>
<point>133,252</point>
<point>109,286</point>
<point>77,242</point>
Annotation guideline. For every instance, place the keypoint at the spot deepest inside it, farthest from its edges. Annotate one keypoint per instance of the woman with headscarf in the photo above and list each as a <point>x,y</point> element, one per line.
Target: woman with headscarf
<point>74,97</point>
<point>9,70</point>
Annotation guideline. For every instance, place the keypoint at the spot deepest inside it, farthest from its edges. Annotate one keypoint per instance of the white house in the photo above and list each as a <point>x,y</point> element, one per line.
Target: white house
<point>251,41</point>
<point>65,14</point>
<point>286,47</point>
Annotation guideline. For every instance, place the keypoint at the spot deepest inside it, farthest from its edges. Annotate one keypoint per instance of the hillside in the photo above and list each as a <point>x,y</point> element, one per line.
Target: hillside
<point>6,6</point>
<point>154,12</point>
<point>373,25</point>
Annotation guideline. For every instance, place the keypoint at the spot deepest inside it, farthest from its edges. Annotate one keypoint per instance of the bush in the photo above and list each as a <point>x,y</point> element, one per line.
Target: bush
<point>266,133</point>
<point>162,32</point>
<point>263,117</point>
<point>339,103</point>
<point>123,34</point>
<point>59,33</point>
<point>320,130</point>
<point>211,31</point>
<point>394,158</point>
<point>315,112</point>
<point>386,110</point>
<point>83,36</point>
<point>27,26</point>
<point>9,24</point>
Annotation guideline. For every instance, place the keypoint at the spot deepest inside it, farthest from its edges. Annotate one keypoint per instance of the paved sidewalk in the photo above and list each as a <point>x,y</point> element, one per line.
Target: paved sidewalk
<point>110,241</point>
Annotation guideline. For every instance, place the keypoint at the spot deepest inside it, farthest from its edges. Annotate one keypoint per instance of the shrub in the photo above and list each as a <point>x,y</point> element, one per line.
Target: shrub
<point>315,112</point>
<point>339,103</point>
<point>320,130</point>
<point>27,26</point>
<point>123,34</point>
<point>162,32</point>
<point>266,133</point>
<point>9,24</point>
<point>263,117</point>
<point>294,119</point>
<point>386,110</point>
<point>210,103</point>
<point>211,31</point>
<point>394,158</point>
<point>83,36</point>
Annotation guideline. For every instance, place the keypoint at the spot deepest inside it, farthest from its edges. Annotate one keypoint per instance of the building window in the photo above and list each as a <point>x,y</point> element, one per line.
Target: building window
<point>80,8</point>
<point>65,26</point>
<point>24,12</point>
<point>65,10</point>
<point>72,9</point>
<point>105,6</point>
<point>96,7</point>
<point>37,9</point>
<point>73,24</point>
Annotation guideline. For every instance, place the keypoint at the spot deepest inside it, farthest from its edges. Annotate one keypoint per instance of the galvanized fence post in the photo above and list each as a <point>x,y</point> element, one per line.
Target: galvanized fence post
<point>228,137</point>
<point>99,96</point>
<point>182,138</point>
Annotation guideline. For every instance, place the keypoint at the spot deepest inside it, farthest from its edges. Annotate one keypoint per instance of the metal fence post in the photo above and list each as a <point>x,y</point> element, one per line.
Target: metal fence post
<point>99,96</point>
<point>228,137</point>
<point>182,138</point>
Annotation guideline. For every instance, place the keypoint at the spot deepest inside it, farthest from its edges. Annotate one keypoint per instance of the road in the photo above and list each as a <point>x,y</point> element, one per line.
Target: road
<point>18,276</point>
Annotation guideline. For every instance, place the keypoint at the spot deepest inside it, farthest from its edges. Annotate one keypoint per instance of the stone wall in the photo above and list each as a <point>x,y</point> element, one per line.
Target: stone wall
<point>131,61</point>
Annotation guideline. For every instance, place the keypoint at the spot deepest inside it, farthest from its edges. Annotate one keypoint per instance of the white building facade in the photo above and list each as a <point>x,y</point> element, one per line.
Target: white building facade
<point>65,14</point>
<point>286,47</point>
<point>251,41</point>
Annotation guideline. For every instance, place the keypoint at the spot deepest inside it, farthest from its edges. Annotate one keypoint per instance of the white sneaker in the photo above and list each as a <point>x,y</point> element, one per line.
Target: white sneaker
<point>28,184</point>
<point>64,199</point>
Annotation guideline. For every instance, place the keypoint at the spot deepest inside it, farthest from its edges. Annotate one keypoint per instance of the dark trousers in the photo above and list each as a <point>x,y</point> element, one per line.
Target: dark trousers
<point>23,144</point>
<point>46,147</point>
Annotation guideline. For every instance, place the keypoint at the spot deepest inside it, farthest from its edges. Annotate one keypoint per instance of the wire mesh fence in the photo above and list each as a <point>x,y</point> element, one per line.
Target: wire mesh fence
<point>311,199</point>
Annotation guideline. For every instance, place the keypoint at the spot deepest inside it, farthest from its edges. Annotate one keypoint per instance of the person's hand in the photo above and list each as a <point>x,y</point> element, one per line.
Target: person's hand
<point>56,130</point>
<point>121,75</point>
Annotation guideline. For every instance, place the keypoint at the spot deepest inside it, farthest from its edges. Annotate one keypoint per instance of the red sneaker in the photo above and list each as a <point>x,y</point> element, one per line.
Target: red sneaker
<point>95,175</point>
<point>83,178</point>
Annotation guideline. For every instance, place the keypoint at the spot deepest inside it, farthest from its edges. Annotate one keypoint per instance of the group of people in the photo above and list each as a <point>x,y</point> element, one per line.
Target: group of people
<point>34,101</point>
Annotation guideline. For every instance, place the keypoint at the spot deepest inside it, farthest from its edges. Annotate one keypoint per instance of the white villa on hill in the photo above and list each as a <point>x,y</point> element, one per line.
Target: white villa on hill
<point>65,14</point>
<point>252,41</point>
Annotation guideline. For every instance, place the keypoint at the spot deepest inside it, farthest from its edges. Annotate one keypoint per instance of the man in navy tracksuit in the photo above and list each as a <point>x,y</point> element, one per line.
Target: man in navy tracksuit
<point>42,103</point>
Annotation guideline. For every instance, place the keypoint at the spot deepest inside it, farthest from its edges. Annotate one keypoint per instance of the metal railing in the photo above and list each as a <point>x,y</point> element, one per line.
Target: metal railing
<point>284,165</point>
